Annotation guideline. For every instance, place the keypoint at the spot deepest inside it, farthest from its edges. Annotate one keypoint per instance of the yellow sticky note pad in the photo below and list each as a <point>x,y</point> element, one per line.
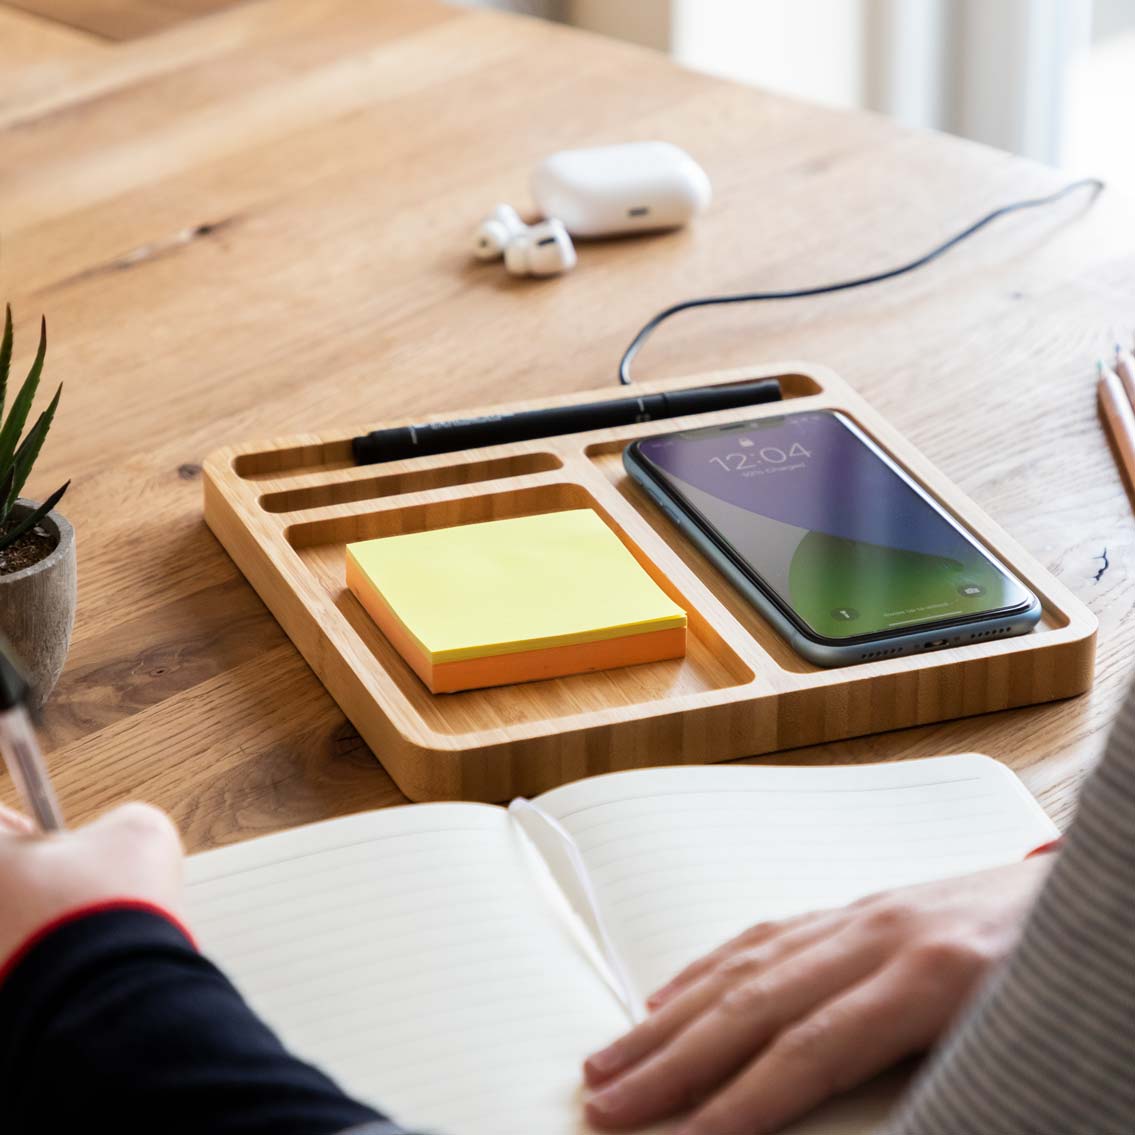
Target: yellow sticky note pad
<point>559,592</point>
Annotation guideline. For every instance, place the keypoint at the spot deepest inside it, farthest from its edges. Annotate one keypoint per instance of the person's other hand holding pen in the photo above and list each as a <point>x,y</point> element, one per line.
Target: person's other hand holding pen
<point>102,987</point>
<point>128,858</point>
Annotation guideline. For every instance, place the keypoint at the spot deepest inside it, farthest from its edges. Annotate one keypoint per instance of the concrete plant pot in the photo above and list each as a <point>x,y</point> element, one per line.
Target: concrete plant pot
<point>37,605</point>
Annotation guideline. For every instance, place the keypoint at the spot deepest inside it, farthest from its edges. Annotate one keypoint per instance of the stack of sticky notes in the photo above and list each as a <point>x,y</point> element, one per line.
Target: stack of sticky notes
<point>514,600</point>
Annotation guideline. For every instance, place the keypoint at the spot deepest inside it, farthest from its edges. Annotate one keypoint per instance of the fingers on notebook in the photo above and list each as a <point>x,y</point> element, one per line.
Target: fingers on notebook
<point>786,1016</point>
<point>750,939</point>
<point>657,1030</point>
<point>730,1016</point>
<point>749,954</point>
<point>842,1043</point>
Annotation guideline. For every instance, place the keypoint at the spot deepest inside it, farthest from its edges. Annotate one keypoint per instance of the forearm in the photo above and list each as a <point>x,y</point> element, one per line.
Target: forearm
<point>115,1021</point>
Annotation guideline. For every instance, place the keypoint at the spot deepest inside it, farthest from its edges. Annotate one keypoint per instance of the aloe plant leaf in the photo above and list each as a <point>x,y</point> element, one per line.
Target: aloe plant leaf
<point>29,448</point>
<point>32,519</point>
<point>6,483</point>
<point>22,403</point>
<point>5,356</point>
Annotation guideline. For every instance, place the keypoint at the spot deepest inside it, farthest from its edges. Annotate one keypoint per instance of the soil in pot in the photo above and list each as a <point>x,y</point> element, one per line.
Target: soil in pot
<point>29,549</point>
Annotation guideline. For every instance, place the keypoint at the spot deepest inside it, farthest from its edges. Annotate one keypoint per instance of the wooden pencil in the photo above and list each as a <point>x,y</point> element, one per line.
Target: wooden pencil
<point>1125,368</point>
<point>1120,417</point>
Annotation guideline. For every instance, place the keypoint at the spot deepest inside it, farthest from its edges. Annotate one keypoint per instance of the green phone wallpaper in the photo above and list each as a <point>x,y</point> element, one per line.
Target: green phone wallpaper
<point>845,587</point>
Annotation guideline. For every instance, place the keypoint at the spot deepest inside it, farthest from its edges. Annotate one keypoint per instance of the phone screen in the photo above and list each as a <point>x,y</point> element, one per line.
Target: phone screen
<point>831,528</point>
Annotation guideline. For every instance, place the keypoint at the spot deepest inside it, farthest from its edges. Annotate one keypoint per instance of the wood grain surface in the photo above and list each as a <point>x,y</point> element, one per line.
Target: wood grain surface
<point>118,19</point>
<point>38,55</point>
<point>256,223</point>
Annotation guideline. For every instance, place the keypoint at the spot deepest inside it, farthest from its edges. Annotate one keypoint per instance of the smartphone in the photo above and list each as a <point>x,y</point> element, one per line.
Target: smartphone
<point>829,539</point>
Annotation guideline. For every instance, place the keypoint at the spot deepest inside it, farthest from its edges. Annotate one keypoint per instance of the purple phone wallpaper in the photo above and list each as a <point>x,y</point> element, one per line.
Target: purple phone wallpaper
<point>810,471</point>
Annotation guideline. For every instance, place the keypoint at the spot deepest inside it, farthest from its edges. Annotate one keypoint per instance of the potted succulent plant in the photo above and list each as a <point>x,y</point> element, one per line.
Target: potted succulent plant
<point>37,546</point>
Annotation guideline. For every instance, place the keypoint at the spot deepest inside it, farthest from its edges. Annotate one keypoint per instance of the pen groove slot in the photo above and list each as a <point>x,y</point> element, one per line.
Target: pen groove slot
<point>322,456</point>
<point>399,483</point>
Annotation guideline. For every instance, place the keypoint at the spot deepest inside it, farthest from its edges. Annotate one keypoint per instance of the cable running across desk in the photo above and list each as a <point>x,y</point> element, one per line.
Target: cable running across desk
<point>1094,183</point>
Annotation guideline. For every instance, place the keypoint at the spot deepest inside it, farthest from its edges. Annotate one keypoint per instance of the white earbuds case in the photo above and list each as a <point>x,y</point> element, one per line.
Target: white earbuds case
<point>632,187</point>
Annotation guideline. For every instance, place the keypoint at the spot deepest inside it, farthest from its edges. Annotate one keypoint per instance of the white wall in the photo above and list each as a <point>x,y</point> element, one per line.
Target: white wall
<point>906,54</point>
<point>993,70</point>
<point>998,72</point>
<point>1112,17</point>
<point>1011,68</point>
<point>810,48</point>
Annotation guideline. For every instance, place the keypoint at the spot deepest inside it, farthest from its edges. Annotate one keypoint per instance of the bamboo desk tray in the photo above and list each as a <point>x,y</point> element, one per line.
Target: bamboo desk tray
<point>285,509</point>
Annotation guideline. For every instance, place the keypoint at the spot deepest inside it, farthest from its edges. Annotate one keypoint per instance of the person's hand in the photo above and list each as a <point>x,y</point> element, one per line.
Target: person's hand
<point>789,1013</point>
<point>132,852</point>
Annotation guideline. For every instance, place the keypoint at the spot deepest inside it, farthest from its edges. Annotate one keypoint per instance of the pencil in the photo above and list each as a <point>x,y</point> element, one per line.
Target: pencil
<point>1125,368</point>
<point>1120,417</point>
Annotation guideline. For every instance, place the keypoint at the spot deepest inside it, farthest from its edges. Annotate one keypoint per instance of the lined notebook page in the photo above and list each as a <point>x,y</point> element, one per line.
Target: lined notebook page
<point>415,956</point>
<point>682,859</point>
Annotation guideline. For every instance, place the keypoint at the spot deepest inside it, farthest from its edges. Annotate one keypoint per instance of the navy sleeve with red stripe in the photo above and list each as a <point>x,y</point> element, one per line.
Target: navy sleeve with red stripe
<point>111,1019</point>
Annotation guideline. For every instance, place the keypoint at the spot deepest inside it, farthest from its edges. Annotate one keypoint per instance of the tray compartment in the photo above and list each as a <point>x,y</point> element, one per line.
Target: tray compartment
<point>607,458</point>
<point>344,490</point>
<point>709,665</point>
<point>309,457</point>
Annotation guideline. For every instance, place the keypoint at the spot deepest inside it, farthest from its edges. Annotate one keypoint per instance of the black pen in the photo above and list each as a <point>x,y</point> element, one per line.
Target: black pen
<point>524,425</point>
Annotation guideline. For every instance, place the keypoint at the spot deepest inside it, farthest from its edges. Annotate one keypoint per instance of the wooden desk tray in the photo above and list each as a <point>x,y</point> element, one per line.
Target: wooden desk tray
<point>285,509</point>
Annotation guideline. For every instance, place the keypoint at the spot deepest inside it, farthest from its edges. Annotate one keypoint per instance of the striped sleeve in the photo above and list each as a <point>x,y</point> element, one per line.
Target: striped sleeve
<point>1048,1048</point>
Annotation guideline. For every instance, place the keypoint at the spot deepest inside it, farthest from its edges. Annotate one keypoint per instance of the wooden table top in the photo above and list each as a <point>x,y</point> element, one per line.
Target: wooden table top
<point>257,222</point>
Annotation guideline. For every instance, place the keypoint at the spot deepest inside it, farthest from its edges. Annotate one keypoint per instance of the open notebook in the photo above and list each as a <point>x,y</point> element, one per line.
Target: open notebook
<point>454,963</point>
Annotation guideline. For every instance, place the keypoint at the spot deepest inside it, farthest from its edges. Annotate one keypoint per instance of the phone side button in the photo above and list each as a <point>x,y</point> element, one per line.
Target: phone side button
<point>668,510</point>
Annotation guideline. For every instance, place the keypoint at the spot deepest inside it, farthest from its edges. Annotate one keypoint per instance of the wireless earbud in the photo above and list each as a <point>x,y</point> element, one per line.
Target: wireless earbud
<point>602,191</point>
<point>495,231</point>
<point>541,250</point>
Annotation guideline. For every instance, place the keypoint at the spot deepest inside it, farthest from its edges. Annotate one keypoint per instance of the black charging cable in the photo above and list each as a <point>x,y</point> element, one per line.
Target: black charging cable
<point>1094,183</point>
